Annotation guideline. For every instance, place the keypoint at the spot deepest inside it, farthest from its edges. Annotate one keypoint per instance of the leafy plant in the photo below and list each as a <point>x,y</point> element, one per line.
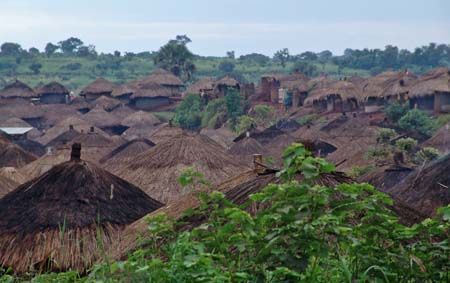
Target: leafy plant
<point>395,111</point>
<point>244,123</point>
<point>426,154</point>
<point>385,135</point>
<point>188,113</point>
<point>406,144</point>
<point>417,120</point>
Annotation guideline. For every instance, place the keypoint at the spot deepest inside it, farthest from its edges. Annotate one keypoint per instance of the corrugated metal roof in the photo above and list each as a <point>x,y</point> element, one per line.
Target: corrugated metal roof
<point>15,130</point>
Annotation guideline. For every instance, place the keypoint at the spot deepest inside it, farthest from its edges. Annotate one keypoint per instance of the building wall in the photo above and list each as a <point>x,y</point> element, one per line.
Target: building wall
<point>52,98</point>
<point>442,102</point>
<point>423,103</point>
<point>148,103</point>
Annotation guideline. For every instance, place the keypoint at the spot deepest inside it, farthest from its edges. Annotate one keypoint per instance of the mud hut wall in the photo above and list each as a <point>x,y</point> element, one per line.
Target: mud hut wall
<point>148,103</point>
<point>442,102</point>
<point>94,96</point>
<point>423,103</point>
<point>266,89</point>
<point>274,91</point>
<point>53,98</point>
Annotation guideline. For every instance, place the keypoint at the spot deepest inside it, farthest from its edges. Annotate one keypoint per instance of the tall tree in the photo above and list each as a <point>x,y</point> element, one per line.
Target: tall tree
<point>10,49</point>
<point>50,49</point>
<point>282,56</point>
<point>70,45</point>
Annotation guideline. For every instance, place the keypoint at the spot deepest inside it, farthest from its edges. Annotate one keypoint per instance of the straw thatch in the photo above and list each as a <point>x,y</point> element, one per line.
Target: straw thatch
<point>124,90</point>
<point>126,152</point>
<point>44,163</point>
<point>13,174</point>
<point>223,136</point>
<point>66,218</point>
<point>107,103</point>
<point>12,155</point>
<point>162,77</point>
<point>122,112</point>
<point>227,81</point>
<point>140,118</point>
<point>388,84</point>
<point>100,86</point>
<point>22,111</point>
<point>6,185</point>
<point>17,89</point>
<point>203,85</point>
<point>440,140</point>
<point>427,188</point>
<point>76,122</point>
<point>156,171</point>
<point>101,118</point>
<point>52,88</point>
<point>163,133</point>
<point>151,89</point>
<point>236,189</point>
<point>30,146</point>
<point>437,80</point>
<point>245,149</point>
<point>319,82</point>
<point>343,89</point>
<point>53,114</point>
<point>15,123</point>
<point>294,81</point>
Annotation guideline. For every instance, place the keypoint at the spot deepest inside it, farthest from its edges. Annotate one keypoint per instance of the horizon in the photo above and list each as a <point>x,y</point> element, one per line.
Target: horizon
<point>215,28</point>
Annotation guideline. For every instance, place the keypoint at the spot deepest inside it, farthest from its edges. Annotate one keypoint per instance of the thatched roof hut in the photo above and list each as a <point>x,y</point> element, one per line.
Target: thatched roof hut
<point>13,174</point>
<point>6,185</point>
<point>156,170</point>
<point>202,86</point>
<point>14,123</point>
<point>124,91</point>
<point>107,103</point>
<point>17,89</point>
<point>236,189</point>
<point>223,136</point>
<point>162,77</point>
<point>246,148</point>
<point>44,163</point>
<point>440,140</point>
<point>52,88</point>
<point>126,152</point>
<point>104,120</point>
<point>435,81</point>
<point>388,84</point>
<point>53,114</point>
<point>342,89</point>
<point>12,155</point>
<point>164,133</point>
<point>426,188</point>
<point>66,218</point>
<point>122,111</point>
<point>140,118</point>
<point>98,88</point>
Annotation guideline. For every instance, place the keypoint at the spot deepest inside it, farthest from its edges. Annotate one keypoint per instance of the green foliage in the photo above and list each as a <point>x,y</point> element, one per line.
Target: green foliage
<point>378,153</point>
<point>235,107</point>
<point>308,119</point>
<point>358,171</point>
<point>406,144</point>
<point>426,154</point>
<point>70,45</point>
<point>244,123</point>
<point>188,113</point>
<point>191,179</point>
<point>282,56</point>
<point>305,68</point>
<point>395,111</point>
<point>416,120</point>
<point>263,114</point>
<point>226,67</point>
<point>385,135</point>
<point>35,67</point>
<point>442,120</point>
<point>214,112</point>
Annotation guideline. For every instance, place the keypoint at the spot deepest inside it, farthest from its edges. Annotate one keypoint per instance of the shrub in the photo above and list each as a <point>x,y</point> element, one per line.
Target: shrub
<point>426,154</point>
<point>395,111</point>
<point>385,135</point>
<point>307,119</point>
<point>235,107</point>
<point>188,113</point>
<point>406,144</point>
<point>213,110</point>
<point>244,123</point>
<point>263,114</point>
<point>416,120</point>
<point>358,171</point>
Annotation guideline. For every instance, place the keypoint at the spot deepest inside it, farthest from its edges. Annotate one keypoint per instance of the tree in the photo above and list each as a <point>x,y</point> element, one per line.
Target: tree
<point>233,101</point>
<point>256,58</point>
<point>50,49</point>
<point>282,56</point>
<point>10,49</point>
<point>230,55</point>
<point>325,55</point>
<point>86,51</point>
<point>188,114</point>
<point>308,56</point>
<point>35,67</point>
<point>70,45</point>
<point>176,57</point>
<point>117,53</point>
<point>395,111</point>
<point>226,67</point>
<point>416,120</point>
<point>305,68</point>
<point>33,51</point>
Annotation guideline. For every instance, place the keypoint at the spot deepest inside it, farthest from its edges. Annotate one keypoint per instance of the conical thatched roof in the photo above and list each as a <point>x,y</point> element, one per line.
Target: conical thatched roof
<point>227,81</point>
<point>203,84</point>
<point>107,103</point>
<point>101,118</point>
<point>122,112</point>
<point>245,149</point>
<point>164,133</point>
<point>12,155</point>
<point>294,81</point>
<point>12,174</point>
<point>151,89</point>
<point>52,88</point>
<point>320,82</point>
<point>388,84</point>
<point>437,80</point>
<point>17,89</point>
<point>162,77</point>
<point>99,86</point>
<point>440,140</point>
<point>344,89</point>
<point>64,219</point>
<point>140,118</point>
<point>44,163</point>
<point>223,136</point>
<point>15,123</point>
<point>6,185</point>
<point>124,89</point>
<point>426,189</point>
<point>156,171</point>
<point>126,152</point>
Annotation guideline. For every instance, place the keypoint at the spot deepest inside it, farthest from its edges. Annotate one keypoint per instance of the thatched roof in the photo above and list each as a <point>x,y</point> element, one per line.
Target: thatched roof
<point>162,77</point>
<point>246,148</point>
<point>122,111</point>
<point>43,222</point>
<point>12,155</point>
<point>101,118</point>
<point>223,136</point>
<point>164,133</point>
<point>54,113</point>
<point>294,81</point>
<point>344,89</point>
<point>99,86</point>
<point>151,89</point>
<point>426,189</point>
<point>124,89</point>
<point>52,88</point>
<point>203,84</point>
<point>44,163</point>
<point>107,103</point>
<point>17,89</point>
<point>15,123</point>
<point>156,170</point>
<point>227,81</point>
<point>236,189</point>
<point>440,140</point>
<point>319,82</point>
<point>140,118</point>
<point>126,152</point>
<point>388,84</point>
<point>13,174</point>
<point>6,185</point>
<point>22,111</point>
<point>437,80</point>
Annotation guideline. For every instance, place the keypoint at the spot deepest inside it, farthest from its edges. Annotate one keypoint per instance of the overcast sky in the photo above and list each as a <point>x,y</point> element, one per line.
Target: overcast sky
<point>215,27</point>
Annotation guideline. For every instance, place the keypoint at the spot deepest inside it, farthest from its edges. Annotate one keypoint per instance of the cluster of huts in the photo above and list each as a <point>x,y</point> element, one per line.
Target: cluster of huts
<point>79,174</point>
<point>429,92</point>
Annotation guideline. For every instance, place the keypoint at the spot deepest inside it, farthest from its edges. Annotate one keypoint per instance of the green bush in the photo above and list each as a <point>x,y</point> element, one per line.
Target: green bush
<point>307,119</point>
<point>263,114</point>
<point>188,114</point>
<point>406,144</point>
<point>358,171</point>
<point>385,135</point>
<point>235,106</point>
<point>213,110</point>
<point>244,123</point>
<point>416,120</point>
<point>426,154</point>
<point>395,111</point>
